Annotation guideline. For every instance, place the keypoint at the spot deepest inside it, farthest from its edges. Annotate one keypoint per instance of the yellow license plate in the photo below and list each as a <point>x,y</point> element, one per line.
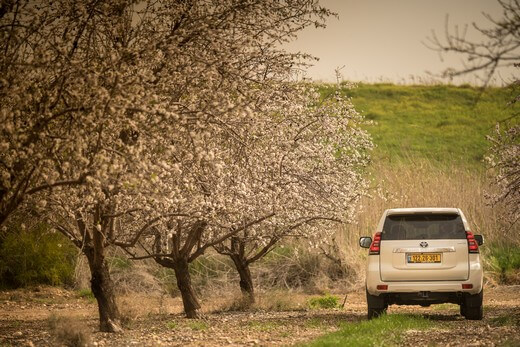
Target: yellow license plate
<point>423,257</point>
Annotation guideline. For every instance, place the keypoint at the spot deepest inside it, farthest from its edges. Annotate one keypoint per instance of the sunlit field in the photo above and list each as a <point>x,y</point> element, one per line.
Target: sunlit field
<point>442,123</point>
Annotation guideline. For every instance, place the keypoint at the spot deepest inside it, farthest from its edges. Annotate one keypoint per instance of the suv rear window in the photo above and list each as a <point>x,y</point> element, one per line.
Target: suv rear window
<point>423,226</point>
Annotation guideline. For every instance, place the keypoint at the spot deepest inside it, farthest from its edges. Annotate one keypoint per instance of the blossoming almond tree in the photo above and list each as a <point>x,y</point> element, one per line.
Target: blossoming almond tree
<point>70,83</point>
<point>313,155</point>
<point>296,164</point>
<point>211,181</point>
<point>72,88</point>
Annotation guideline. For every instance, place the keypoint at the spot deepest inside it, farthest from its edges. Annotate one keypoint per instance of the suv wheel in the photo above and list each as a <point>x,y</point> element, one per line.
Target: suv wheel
<point>474,313</point>
<point>472,306</point>
<point>376,305</point>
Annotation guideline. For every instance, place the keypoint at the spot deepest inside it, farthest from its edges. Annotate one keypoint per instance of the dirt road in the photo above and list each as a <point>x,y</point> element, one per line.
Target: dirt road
<point>48,316</point>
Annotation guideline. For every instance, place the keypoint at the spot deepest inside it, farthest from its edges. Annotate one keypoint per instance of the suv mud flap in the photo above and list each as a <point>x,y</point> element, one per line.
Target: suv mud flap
<point>376,305</point>
<point>474,300</point>
<point>376,301</point>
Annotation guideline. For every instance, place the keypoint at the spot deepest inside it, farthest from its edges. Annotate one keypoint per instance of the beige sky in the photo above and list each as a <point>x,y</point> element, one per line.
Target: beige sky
<point>382,39</point>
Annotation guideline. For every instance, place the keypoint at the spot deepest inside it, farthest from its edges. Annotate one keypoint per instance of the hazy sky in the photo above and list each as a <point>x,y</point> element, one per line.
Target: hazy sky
<point>382,39</point>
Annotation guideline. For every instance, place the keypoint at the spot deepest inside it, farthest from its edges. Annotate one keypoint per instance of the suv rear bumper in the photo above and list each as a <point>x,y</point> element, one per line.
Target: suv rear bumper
<point>374,280</point>
<point>415,287</point>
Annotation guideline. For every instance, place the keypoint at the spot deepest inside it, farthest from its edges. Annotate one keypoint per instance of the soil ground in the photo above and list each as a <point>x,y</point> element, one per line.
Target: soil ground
<point>53,317</point>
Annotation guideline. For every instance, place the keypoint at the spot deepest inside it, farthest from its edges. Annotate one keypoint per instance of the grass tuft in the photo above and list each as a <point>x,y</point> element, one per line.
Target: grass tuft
<point>198,325</point>
<point>510,342</point>
<point>386,330</point>
<point>446,307</point>
<point>506,320</point>
<point>172,325</point>
<point>119,263</point>
<point>86,294</point>
<point>315,323</point>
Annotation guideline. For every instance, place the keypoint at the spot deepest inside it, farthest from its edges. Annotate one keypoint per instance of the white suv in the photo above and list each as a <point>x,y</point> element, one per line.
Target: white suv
<point>424,256</point>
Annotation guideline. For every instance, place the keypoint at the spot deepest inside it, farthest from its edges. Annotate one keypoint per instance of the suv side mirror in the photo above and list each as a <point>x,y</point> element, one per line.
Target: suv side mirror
<point>479,239</point>
<point>365,241</point>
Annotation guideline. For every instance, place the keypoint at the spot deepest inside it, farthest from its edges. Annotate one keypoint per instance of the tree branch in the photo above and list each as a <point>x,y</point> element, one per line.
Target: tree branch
<point>78,181</point>
<point>145,227</point>
<point>201,250</point>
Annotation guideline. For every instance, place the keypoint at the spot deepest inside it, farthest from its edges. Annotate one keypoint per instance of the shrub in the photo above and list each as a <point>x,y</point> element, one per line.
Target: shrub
<point>278,300</point>
<point>504,262</point>
<point>325,301</point>
<point>36,256</point>
<point>289,266</point>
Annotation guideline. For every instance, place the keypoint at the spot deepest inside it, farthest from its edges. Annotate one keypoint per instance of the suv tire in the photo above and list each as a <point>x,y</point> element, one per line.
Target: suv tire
<point>472,306</point>
<point>376,305</point>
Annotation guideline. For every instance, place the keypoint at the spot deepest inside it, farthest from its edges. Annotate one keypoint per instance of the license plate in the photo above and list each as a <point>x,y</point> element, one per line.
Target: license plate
<point>423,257</point>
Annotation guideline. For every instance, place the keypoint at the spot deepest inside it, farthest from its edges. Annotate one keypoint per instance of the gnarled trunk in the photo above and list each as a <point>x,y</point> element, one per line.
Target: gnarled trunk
<point>102,285</point>
<point>246,281</point>
<point>103,289</point>
<point>189,299</point>
<point>178,260</point>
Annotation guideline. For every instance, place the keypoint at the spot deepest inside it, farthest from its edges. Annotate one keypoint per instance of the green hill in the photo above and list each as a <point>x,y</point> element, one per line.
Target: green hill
<point>443,123</point>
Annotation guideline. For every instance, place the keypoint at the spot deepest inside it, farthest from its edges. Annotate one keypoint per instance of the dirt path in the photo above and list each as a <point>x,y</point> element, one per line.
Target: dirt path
<point>26,318</point>
<point>500,326</point>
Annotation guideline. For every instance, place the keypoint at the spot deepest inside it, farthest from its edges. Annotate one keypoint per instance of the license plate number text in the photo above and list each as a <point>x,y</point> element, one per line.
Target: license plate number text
<point>423,257</point>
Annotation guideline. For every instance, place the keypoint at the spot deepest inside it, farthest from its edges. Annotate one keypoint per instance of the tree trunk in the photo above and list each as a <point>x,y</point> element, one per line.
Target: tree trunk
<point>103,290</point>
<point>102,285</point>
<point>246,281</point>
<point>189,299</point>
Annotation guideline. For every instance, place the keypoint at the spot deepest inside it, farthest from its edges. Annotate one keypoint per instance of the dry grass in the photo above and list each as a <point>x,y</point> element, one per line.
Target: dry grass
<point>271,300</point>
<point>134,306</point>
<point>422,184</point>
<point>68,331</point>
<point>281,300</point>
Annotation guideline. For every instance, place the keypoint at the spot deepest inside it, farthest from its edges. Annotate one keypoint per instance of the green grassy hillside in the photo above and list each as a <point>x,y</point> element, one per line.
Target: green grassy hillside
<point>442,123</point>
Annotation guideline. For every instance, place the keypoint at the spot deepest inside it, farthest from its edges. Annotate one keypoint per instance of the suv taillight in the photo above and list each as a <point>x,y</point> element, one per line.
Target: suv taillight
<point>472,243</point>
<point>374,247</point>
